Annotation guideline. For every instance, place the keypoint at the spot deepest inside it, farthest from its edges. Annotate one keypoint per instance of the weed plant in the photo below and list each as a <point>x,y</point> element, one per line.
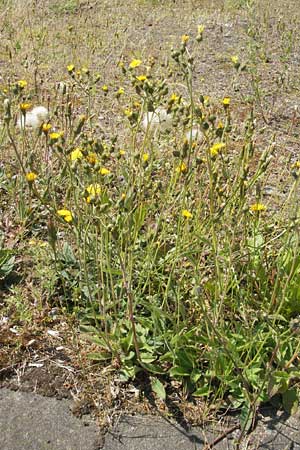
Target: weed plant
<point>160,239</point>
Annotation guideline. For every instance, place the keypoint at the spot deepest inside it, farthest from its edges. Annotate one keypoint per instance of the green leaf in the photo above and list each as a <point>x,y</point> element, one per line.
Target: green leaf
<point>246,418</point>
<point>203,391</point>
<point>99,356</point>
<point>290,401</point>
<point>179,372</point>
<point>153,368</point>
<point>158,388</point>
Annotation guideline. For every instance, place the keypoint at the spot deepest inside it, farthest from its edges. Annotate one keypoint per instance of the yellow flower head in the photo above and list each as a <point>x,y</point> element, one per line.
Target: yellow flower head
<point>200,29</point>
<point>122,152</point>
<point>226,101</point>
<point>105,88</point>
<point>187,214</point>
<point>141,78</point>
<point>174,98</point>
<point>104,171</point>
<point>94,189</point>
<point>214,150</point>
<point>46,127</point>
<point>185,38</point>
<point>135,63</point>
<point>85,70</point>
<point>128,112</point>
<point>31,177</point>
<point>76,154</point>
<point>235,60</point>
<point>182,168</point>
<point>92,158</point>
<point>70,68</point>
<point>24,107</point>
<point>65,214</point>
<point>120,91</point>
<point>257,207</point>
<point>145,157</point>
<point>22,84</point>
<point>55,135</point>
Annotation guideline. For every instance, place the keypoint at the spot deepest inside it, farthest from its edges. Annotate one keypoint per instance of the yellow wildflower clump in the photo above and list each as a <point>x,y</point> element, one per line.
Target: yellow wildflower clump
<point>185,38</point>
<point>181,168</point>
<point>235,61</point>
<point>65,214</point>
<point>25,107</point>
<point>22,84</point>
<point>92,158</point>
<point>46,127</point>
<point>186,214</point>
<point>145,157</point>
<point>135,63</point>
<point>141,78</point>
<point>120,92</point>
<point>104,171</point>
<point>226,102</point>
<point>55,135</point>
<point>94,190</point>
<point>174,98</point>
<point>31,177</point>
<point>70,68</point>
<point>257,207</point>
<point>215,149</point>
<point>200,33</point>
<point>76,154</point>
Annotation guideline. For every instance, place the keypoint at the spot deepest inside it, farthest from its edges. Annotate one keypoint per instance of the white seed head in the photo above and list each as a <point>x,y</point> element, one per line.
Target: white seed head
<point>34,118</point>
<point>157,120</point>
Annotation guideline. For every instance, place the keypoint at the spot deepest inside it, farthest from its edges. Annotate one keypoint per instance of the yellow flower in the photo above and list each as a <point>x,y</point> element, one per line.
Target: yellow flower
<point>235,60</point>
<point>226,101</point>
<point>24,107</point>
<point>85,70</point>
<point>92,158</point>
<point>46,127</point>
<point>71,68</point>
<point>185,38</point>
<point>76,154</point>
<point>206,99</point>
<point>94,189</point>
<point>22,84</point>
<point>120,91</point>
<point>135,63</point>
<point>104,171</point>
<point>128,112</point>
<point>214,150</point>
<point>122,152</point>
<point>182,168</point>
<point>65,214</point>
<point>257,207</point>
<point>105,88</point>
<point>123,196</point>
<point>31,177</point>
<point>145,157</point>
<point>141,78</point>
<point>55,135</point>
<point>200,29</point>
<point>187,214</point>
<point>220,124</point>
<point>174,98</point>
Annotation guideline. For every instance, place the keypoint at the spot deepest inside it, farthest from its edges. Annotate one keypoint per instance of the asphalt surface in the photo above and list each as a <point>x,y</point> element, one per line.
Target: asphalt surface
<point>31,422</point>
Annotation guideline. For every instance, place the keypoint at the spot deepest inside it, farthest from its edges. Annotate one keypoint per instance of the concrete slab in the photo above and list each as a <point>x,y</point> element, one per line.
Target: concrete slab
<point>153,433</point>
<point>31,422</point>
